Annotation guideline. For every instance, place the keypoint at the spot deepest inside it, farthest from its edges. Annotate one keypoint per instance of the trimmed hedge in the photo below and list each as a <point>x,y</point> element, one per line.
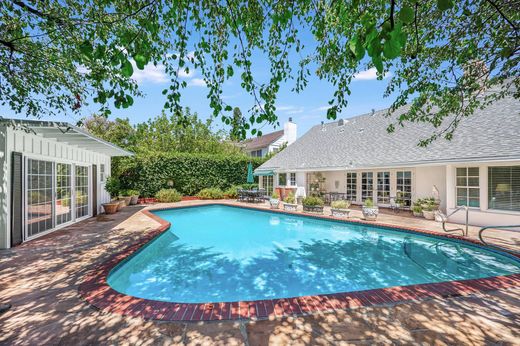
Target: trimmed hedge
<point>184,172</point>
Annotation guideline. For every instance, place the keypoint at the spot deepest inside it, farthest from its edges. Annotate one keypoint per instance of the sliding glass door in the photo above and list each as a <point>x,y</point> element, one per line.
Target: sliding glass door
<point>81,191</point>
<point>39,211</point>
<point>63,203</point>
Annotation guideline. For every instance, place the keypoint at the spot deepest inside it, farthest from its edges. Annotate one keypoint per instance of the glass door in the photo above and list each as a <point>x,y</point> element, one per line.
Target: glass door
<point>63,204</point>
<point>267,184</point>
<point>367,186</point>
<point>383,187</point>
<point>81,189</point>
<point>39,199</point>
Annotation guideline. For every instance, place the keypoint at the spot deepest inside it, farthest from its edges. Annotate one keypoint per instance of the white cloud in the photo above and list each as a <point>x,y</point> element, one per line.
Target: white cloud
<point>290,109</point>
<point>150,73</point>
<point>198,82</point>
<point>295,111</point>
<point>370,74</point>
<point>323,108</point>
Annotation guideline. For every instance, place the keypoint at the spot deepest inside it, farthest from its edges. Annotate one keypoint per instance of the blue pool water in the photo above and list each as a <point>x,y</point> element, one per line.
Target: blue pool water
<point>220,253</point>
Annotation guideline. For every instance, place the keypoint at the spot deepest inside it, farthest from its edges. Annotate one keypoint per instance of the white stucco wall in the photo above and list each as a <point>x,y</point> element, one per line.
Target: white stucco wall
<point>425,178</point>
<point>37,147</point>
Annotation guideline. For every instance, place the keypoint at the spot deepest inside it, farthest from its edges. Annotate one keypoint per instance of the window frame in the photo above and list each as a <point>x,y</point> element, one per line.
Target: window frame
<point>406,196</point>
<point>292,182</point>
<point>467,187</point>
<point>351,186</point>
<point>284,180</point>
<point>512,182</point>
<point>365,177</point>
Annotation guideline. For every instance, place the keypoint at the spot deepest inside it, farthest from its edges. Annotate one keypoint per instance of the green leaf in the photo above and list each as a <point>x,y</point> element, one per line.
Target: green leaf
<point>126,69</point>
<point>406,15</point>
<point>391,48</point>
<point>140,61</point>
<point>378,63</point>
<point>444,5</point>
<point>356,47</point>
<point>230,71</point>
<point>86,48</point>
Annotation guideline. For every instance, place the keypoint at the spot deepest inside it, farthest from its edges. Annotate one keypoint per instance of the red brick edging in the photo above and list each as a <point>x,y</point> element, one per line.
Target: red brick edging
<point>96,291</point>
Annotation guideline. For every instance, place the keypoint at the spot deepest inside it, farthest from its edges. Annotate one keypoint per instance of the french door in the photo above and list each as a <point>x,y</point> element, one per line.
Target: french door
<point>383,187</point>
<point>56,193</point>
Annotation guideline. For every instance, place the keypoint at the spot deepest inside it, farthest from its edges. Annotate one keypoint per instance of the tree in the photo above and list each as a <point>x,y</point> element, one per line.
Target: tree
<point>237,125</point>
<point>119,131</point>
<point>55,55</point>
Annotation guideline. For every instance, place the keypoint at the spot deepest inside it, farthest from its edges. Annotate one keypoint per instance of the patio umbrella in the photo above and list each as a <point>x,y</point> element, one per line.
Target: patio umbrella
<point>250,178</point>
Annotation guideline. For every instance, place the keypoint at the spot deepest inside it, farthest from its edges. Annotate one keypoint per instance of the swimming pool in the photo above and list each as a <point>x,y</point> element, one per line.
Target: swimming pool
<point>219,253</point>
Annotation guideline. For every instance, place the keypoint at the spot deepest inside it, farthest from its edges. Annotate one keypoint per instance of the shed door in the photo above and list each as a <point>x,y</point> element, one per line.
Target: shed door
<point>16,199</point>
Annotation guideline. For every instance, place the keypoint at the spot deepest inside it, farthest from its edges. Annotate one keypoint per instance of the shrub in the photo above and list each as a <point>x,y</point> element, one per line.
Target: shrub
<point>368,203</point>
<point>275,195</point>
<point>340,204</point>
<point>132,192</point>
<point>232,192</point>
<point>168,196</point>
<point>290,198</point>
<point>113,186</point>
<point>188,173</point>
<point>211,193</point>
<point>249,186</point>
<point>417,208</point>
<point>313,201</point>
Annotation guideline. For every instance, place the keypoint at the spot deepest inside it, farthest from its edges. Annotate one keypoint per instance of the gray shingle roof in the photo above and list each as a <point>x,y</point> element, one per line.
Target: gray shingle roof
<point>363,142</point>
<point>262,141</point>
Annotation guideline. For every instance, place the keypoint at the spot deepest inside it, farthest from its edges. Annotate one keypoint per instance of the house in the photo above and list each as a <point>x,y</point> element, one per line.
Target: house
<point>52,175</point>
<point>357,159</point>
<point>262,145</point>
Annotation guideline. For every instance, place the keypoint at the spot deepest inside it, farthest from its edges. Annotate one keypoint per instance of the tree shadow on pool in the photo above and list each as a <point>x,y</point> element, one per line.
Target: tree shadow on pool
<point>172,271</point>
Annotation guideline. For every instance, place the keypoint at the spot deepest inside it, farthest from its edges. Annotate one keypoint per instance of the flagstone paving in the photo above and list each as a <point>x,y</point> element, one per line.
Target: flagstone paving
<point>41,277</point>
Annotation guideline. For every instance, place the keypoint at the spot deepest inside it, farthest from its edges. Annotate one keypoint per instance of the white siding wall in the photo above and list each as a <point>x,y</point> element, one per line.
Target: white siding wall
<point>37,147</point>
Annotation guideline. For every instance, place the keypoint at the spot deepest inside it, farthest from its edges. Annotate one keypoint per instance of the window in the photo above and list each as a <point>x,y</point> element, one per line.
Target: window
<point>367,185</point>
<point>351,186</point>
<point>383,187</point>
<point>468,191</point>
<point>404,187</point>
<point>282,179</point>
<point>256,153</point>
<point>102,172</point>
<point>63,193</point>
<point>504,188</point>
<point>292,179</point>
<point>39,197</point>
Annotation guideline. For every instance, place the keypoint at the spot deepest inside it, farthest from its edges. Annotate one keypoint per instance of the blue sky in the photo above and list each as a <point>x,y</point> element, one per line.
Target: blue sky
<point>307,108</point>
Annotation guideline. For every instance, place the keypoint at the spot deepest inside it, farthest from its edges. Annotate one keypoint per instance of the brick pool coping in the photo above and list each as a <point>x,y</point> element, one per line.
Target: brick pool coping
<point>96,291</point>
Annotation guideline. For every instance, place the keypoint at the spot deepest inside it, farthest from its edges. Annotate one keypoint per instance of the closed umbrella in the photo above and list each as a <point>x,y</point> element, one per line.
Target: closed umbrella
<point>250,178</point>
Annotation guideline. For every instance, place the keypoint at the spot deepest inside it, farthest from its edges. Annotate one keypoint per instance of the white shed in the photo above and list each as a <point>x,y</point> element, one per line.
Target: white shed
<point>52,175</point>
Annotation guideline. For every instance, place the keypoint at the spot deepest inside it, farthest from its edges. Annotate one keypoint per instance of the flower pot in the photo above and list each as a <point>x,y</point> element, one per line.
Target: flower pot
<point>120,204</point>
<point>429,214</point>
<point>318,209</point>
<point>370,213</point>
<point>127,199</point>
<point>274,202</point>
<point>418,213</point>
<point>340,212</point>
<point>290,206</point>
<point>110,208</point>
<point>133,200</point>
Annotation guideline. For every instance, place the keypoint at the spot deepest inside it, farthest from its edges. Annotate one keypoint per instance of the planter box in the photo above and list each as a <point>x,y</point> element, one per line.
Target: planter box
<point>290,207</point>
<point>189,198</point>
<point>110,208</point>
<point>313,209</point>
<point>274,203</point>
<point>370,213</point>
<point>340,212</point>
<point>147,200</point>
<point>429,215</point>
<point>416,214</point>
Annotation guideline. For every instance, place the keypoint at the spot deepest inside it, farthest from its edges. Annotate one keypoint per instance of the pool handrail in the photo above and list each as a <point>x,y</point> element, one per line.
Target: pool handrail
<point>485,228</point>
<point>445,219</point>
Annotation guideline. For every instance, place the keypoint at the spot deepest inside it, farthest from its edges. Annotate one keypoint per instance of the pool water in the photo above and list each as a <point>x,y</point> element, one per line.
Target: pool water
<point>220,253</point>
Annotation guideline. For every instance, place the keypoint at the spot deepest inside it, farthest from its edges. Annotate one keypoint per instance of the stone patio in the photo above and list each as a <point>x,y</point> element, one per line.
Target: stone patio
<point>41,277</point>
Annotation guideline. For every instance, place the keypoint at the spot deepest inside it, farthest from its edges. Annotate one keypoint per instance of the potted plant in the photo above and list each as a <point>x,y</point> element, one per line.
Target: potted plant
<point>429,211</point>
<point>289,202</point>
<point>313,204</point>
<point>110,207</point>
<point>417,208</point>
<point>125,196</point>
<point>370,211</point>
<point>134,194</point>
<point>274,201</point>
<point>112,186</point>
<point>340,208</point>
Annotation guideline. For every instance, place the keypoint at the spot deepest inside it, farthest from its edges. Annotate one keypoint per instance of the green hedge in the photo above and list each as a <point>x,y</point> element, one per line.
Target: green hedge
<point>187,173</point>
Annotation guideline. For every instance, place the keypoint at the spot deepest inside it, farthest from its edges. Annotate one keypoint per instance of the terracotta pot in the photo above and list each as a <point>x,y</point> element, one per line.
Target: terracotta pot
<point>110,208</point>
<point>133,200</point>
<point>127,199</point>
<point>120,204</point>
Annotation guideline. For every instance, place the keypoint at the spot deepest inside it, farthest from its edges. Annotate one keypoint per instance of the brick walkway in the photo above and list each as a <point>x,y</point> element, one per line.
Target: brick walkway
<point>40,279</point>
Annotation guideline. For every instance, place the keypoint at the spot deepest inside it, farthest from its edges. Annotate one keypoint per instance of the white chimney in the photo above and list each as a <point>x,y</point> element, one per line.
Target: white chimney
<point>290,131</point>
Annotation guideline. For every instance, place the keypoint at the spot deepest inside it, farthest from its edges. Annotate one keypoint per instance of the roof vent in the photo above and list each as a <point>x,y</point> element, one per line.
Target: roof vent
<point>361,130</point>
<point>341,122</point>
<point>322,126</point>
<point>373,112</point>
<point>290,119</point>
